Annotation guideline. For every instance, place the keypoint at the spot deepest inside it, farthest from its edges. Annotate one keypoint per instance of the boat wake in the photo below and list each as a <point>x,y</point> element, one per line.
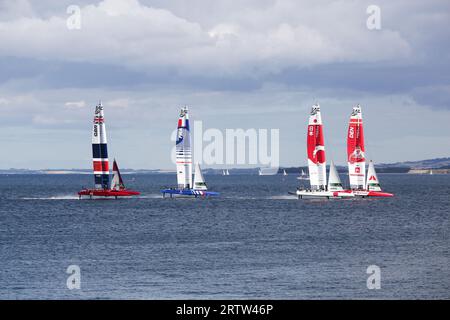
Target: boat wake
<point>283,197</point>
<point>58,197</point>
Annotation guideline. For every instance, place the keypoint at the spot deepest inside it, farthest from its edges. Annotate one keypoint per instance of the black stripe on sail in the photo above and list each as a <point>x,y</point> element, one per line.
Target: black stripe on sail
<point>102,181</point>
<point>99,150</point>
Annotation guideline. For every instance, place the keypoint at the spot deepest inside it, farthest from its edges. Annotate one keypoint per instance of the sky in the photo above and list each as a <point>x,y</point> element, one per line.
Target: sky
<point>257,64</point>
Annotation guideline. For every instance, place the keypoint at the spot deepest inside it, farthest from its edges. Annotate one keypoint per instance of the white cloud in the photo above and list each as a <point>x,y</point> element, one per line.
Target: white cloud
<point>126,32</point>
<point>75,104</point>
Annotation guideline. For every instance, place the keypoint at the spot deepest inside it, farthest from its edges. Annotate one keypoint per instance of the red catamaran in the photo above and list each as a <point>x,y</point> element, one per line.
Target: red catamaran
<point>102,186</point>
<point>361,186</point>
<point>315,146</point>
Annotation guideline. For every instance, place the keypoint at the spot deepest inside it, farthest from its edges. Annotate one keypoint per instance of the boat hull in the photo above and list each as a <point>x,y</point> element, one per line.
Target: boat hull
<point>324,194</point>
<point>188,193</point>
<point>107,193</point>
<point>366,193</point>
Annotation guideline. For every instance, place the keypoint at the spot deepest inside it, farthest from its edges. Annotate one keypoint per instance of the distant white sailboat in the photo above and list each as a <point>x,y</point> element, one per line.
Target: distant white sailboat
<point>303,176</point>
<point>227,172</point>
<point>284,173</point>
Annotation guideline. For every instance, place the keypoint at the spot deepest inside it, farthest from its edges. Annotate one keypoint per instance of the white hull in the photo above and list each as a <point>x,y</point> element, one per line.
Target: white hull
<point>324,194</point>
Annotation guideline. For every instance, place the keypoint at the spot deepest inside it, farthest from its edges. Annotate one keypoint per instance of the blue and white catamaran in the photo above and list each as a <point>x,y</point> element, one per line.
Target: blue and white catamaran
<point>184,164</point>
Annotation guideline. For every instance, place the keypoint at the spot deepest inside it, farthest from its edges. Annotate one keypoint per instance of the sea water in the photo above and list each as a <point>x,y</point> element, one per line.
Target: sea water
<point>254,241</point>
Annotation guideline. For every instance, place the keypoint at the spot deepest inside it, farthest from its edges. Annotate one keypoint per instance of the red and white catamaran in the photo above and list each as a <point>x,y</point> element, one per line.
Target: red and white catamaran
<point>102,186</point>
<point>317,164</point>
<point>360,184</point>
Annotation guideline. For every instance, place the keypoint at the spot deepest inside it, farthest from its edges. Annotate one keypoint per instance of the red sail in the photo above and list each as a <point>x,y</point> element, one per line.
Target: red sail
<point>116,171</point>
<point>316,150</point>
<point>355,150</point>
<point>315,142</point>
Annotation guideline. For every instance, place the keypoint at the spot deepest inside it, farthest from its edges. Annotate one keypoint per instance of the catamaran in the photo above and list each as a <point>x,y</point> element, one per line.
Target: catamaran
<point>102,186</point>
<point>317,164</point>
<point>360,184</point>
<point>184,164</point>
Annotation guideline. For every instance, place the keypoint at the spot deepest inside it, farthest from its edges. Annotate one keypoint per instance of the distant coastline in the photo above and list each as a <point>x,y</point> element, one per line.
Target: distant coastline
<point>434,166</point>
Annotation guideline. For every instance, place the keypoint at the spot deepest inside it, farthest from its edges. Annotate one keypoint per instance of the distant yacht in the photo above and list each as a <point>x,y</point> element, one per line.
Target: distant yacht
<point>284,173</point>
<point>303,176</point>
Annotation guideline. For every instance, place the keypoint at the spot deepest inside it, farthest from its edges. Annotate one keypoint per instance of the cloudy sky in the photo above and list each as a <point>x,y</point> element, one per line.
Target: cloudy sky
<point>247,64</point>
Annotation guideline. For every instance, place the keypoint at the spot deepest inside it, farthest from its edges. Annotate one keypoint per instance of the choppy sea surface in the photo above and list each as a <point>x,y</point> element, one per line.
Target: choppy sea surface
<point>255,241</point>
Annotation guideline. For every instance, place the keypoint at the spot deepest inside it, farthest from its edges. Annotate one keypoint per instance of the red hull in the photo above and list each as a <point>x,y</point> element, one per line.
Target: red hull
<point>372,194</point>
<point>108,193</point>
<point>379,194</point>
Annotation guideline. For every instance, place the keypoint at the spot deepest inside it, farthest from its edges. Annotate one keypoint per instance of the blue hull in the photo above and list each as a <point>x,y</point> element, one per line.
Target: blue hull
<point>189,192</point>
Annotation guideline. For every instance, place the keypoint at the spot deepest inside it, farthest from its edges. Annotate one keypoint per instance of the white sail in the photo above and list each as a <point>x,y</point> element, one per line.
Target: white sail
<point>373,184</point>
<point>199,181</point>
<point>334,182</point>
<point>284,173</point>
<point>227,172</point>
<point>183,151</point>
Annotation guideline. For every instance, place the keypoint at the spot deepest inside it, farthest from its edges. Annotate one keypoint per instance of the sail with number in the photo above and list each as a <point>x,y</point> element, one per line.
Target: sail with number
<point>356,150</point>
<point>183,151</point>
<point>100,150</point>
<point>316,150</point>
